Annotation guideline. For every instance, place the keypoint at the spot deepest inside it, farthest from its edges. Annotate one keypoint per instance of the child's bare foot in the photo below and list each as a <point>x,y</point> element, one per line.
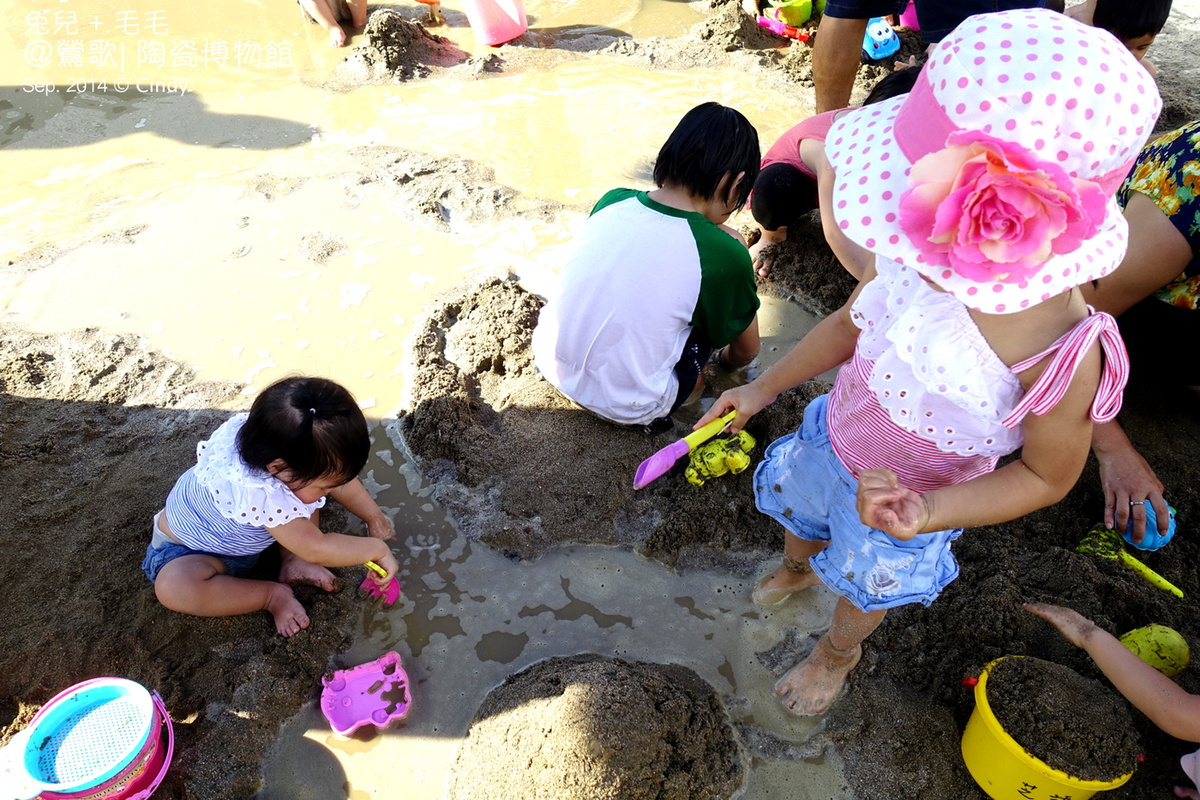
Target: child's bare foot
<point>810,687</point>
<point>298,572</point>
<point>762,255</point>
<point>290,616</point>
<point>794,575</point>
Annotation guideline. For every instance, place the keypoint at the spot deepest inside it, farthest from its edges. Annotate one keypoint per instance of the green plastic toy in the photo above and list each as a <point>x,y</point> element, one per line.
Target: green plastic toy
<point>796,12</point>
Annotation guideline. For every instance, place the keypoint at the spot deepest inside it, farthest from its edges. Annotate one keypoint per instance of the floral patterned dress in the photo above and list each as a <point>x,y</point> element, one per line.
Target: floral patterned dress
<point>1168,172</point>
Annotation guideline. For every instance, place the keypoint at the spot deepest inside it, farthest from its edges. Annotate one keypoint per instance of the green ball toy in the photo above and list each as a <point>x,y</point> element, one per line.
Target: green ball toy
<point>1160,647</point>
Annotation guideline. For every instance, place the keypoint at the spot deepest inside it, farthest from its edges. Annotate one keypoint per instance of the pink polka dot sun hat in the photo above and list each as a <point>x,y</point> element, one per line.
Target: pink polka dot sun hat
<point>994,178</point>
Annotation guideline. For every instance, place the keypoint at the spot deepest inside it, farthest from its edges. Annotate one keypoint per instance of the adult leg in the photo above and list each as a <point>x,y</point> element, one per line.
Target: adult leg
<point>199,585</point>
<point>837,53</point>
<point>793,575</point>
<point>810,687</point>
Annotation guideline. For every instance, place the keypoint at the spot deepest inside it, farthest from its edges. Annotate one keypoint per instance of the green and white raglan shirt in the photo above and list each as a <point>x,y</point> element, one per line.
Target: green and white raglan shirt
<point>643,275</point>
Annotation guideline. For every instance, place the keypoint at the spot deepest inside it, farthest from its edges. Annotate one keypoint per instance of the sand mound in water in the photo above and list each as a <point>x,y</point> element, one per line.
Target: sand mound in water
<point>599,728</point>
<point>521,468</point>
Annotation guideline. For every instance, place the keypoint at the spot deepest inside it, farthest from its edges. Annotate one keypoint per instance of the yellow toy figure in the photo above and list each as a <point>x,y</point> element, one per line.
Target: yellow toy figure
<point>718,457</point>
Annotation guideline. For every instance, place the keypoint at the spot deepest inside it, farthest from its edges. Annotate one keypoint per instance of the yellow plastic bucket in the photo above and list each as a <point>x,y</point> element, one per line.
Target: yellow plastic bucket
<point>1005,771</point>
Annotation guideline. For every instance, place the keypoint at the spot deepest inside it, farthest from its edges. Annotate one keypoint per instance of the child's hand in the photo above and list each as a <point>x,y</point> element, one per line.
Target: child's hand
<point>1070,623</point>
<point>390,564</point>
<point>381,527</point>
<point>748,401</point>
<point>886,505</point>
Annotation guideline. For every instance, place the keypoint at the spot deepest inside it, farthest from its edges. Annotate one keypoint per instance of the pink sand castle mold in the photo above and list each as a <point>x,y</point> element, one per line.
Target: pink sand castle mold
<point>374,693</point>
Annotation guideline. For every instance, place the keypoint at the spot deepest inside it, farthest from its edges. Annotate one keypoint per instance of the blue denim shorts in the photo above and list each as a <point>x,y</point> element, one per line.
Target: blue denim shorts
<point>802,484</point>
<point>864,9</point>
<point>162,551</point>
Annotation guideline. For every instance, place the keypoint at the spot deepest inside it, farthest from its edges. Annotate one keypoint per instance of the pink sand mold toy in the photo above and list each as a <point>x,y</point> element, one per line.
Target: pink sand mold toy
<point>390,594</point>
<point>374,693</point>
<point>104,738</point>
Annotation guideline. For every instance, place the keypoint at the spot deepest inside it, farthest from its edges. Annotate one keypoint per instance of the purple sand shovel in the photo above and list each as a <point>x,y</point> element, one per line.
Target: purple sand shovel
<point>657,465</point>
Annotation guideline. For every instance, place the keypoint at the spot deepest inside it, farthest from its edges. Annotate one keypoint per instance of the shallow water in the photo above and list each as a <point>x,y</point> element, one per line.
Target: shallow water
<point>213,195</point>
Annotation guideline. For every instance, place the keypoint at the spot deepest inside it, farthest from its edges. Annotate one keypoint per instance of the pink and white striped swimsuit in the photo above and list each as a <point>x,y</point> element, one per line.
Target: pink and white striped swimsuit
<point>925,395</point>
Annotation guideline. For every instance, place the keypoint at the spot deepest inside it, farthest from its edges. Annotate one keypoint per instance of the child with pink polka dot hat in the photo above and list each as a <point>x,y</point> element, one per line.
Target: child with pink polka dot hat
<point>986,197</point>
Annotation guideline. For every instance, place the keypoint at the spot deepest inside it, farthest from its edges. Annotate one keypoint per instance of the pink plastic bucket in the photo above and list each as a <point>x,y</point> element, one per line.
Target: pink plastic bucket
<point>141,775</point>
<point>496,21</point>
<point>909,17</point>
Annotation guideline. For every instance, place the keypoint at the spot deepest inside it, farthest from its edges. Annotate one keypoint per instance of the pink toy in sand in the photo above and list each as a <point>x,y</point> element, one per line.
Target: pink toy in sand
<point>375,693</point>
<point>390,594</point>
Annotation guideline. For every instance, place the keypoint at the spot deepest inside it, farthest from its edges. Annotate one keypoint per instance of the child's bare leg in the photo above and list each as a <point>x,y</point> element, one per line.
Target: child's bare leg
<point>326,16</point>
<point>810,687</point>
<point>794,575</point>
<point>358,13</point>
<point>198,585</point>
<point>295,571</point>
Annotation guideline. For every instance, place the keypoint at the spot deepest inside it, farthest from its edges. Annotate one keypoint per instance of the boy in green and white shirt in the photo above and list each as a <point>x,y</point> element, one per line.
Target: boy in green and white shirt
<point>657,281</point>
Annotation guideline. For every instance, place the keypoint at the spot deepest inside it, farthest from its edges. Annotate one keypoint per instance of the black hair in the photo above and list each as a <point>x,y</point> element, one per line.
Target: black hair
<point>782,194</point>
<point>710,142</point>
<point>1131,20</point>
<point>312,424</point>
<point>893,84</point>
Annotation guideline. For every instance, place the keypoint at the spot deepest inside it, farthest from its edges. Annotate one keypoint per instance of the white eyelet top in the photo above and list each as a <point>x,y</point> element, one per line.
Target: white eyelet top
<point>222,505</point>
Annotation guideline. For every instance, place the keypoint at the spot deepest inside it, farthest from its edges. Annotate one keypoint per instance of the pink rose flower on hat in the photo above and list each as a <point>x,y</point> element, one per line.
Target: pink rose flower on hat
<point>992,211</point>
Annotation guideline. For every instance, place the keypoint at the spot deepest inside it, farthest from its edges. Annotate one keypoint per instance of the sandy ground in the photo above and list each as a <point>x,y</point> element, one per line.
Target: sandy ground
<point>94,427</point>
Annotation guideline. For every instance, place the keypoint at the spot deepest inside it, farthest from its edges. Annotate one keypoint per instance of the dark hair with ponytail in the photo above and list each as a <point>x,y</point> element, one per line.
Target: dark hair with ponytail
<point>312,424</point>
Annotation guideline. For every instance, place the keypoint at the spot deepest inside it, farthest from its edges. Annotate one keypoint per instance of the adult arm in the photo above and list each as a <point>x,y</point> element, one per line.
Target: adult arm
<point>1127,480</point>
<point>1157,253</point>
<point>1168,706</point>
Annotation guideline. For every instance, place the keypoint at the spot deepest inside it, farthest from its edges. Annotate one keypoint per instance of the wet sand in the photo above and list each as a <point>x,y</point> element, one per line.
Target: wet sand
<point>275,221</point>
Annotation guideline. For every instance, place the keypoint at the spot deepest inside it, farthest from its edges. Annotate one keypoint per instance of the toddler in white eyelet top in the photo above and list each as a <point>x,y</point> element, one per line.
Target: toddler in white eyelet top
<point>260,479</point>
<point>983,199</point>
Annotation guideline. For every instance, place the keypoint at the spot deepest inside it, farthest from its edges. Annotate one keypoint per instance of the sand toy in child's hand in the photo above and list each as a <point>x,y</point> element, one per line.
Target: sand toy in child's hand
<point>718,457</point>
<point>1106,543</point>
<point>375,693</point>
<point>657,465</point>
<point>1152,540</point>
<point>390,593</point>
<point>1159,646</point>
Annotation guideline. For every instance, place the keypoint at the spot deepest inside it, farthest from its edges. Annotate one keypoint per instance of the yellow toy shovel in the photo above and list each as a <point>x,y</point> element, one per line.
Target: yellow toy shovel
<point>657,465</point>
<point>1106,543</point>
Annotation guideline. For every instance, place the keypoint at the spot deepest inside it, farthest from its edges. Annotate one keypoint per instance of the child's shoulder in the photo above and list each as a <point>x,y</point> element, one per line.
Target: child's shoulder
<point>612,197</point>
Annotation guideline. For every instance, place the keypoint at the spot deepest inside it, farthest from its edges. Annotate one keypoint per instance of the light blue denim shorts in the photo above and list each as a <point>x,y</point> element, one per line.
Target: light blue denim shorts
<point>162,551</point>
<point>802,484</point>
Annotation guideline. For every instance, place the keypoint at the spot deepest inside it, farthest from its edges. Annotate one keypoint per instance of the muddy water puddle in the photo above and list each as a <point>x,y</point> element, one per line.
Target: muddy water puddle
<point>470,617</point>
<point>218,222</point>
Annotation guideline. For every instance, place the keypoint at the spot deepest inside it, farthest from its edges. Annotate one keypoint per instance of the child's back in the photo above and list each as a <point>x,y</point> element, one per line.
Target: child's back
<point>657,282</point>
